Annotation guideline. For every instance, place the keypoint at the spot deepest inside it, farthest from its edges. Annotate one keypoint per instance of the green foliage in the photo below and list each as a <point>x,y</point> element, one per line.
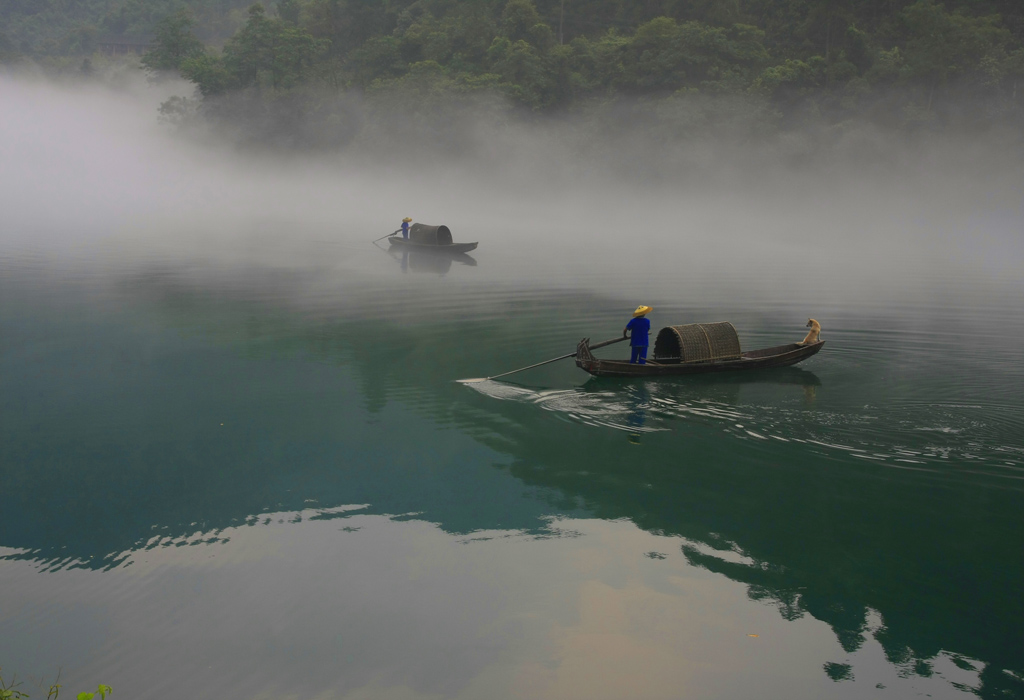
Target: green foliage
<point>208,73</point>
<point>790,77</point>
<point>379,58</point>
<point>831,58</point>
<point>269,52</point>
<point>102,691</point>
<point>61,27</point>
<point>523,71</point>
<point>518,19</point>
<point>177,111</point>
<point>666,56</point>
<point>943,45</point>
<point>288,10</point>
<point>11,691</point>
<point>175,43</point>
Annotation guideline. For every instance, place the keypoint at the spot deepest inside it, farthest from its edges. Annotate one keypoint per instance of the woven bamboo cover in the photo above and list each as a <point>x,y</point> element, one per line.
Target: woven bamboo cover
<point>697,342</point>
<point>430,235</point>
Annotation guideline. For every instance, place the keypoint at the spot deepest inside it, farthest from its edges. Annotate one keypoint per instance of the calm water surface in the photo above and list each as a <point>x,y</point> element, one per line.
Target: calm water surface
<point>236,477</point>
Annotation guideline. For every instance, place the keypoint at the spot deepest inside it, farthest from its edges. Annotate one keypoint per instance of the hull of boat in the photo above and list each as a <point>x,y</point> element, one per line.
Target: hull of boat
<point>397,242</point>
<point>766,358</point>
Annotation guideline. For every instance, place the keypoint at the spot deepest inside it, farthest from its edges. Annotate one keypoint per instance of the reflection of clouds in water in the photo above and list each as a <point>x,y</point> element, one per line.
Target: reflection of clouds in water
<point>865,656</point>
<point>900,437</point>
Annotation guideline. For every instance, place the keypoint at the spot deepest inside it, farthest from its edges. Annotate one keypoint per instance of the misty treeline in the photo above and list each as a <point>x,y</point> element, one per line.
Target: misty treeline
<point>294,67</point>
<point>51,28</point>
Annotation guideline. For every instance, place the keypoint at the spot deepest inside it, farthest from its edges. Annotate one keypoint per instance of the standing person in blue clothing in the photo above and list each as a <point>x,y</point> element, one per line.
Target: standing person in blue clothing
<point>405,227</point>
<point>638,328</point>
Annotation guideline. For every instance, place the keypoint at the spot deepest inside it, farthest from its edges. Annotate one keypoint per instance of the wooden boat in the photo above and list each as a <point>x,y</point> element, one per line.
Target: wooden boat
<point>454,248</point>
<point>698,348</point>
<point>434,239</point>
<point>778,356</point>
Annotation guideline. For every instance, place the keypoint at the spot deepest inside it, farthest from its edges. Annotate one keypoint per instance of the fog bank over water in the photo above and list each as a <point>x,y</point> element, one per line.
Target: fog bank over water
<point>863,212</point>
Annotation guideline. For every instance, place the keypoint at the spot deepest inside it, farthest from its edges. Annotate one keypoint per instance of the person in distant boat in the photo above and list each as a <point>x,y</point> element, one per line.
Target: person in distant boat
<point>638,328</point>
<point>405,227</point>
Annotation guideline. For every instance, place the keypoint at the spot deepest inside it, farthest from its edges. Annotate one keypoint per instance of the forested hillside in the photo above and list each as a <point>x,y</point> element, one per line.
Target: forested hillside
<point>39,28</point>
<point>900,62</point>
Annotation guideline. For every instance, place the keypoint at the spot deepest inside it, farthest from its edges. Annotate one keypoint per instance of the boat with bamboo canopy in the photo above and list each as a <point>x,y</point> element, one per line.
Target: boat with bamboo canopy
<point>696,348</point>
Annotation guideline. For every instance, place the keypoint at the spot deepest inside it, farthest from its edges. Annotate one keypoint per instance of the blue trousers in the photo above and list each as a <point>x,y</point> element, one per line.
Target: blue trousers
<point>638,356</point>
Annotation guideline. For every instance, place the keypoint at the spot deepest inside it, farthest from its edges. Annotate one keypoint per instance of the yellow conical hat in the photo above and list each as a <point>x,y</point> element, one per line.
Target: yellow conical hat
<point>641,310</point>
<point>407,219</point>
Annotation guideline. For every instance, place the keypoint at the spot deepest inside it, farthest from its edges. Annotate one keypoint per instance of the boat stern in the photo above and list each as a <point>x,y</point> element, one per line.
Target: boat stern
<point>584,358</point>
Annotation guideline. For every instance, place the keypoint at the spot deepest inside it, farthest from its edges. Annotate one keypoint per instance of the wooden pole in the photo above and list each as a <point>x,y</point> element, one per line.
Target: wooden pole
<point>545,362</point>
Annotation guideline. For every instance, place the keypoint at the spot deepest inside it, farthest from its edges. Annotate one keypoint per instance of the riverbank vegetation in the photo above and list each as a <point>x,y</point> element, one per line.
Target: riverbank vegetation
<point>12,690</point>
<point>768,65</point>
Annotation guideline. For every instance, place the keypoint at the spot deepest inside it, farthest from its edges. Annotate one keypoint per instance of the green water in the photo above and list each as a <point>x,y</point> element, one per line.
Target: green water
<point>255,479</point>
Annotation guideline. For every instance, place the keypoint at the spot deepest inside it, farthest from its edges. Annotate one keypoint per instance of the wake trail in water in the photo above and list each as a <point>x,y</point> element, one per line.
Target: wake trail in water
<point>964,438</point>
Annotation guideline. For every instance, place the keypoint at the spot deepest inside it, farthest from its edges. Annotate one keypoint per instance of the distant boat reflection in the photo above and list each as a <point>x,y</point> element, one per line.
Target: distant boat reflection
<point>437,262</point>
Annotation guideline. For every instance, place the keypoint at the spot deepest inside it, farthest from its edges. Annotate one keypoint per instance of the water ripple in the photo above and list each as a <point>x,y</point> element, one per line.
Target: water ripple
<point>938,437</point>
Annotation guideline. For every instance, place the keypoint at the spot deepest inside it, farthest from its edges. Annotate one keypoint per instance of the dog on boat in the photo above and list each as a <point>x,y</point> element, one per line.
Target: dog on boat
<point>812,335</point>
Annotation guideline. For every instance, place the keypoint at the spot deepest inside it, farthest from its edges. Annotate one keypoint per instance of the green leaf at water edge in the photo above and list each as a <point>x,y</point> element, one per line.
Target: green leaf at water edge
<point>101,690</point>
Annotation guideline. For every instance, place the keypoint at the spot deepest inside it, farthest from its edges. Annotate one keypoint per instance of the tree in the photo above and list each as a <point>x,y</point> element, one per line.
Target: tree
<point>269,52</point>
<point>288,10</point>
<point>835,58</point>
<point>518,18</point>
<point>523,70</point>
<point>378,58</point>
<point>208,73</point>
<point>943,44</point>
<point>175,43</point>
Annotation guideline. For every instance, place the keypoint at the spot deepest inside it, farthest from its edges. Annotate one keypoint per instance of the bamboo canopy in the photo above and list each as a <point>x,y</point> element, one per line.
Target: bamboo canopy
<point>697,342</point>
<point>430,235</point>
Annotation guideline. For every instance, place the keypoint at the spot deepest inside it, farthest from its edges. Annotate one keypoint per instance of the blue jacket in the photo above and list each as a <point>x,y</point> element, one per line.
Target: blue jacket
<point>405,229</point>
<point>638,329</point>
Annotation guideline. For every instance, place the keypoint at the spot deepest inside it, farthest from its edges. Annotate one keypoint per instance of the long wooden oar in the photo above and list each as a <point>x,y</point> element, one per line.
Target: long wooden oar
<point>545,362</point>
<point>385,236</point>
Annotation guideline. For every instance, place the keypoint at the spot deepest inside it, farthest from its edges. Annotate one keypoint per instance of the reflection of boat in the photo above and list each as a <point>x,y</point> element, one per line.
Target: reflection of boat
<point>790,376</point>
<point>432,239</point>
<point>416,254</point>
<point>697,348</point>
<point>434,261</point>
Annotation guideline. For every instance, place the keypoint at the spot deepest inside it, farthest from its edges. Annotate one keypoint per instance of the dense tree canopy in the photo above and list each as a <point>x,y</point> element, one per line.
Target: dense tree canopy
<point>831,59</point>
<point>175,43</point>
<point>59,27</point>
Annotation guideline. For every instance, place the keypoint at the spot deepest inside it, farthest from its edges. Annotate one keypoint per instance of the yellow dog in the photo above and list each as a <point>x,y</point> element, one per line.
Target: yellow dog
<point>812,336</point>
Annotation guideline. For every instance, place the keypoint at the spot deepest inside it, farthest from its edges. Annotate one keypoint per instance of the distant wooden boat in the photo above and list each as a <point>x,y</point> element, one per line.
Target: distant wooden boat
<point>399,242</point>
<point>431,239</point>
<point>698,348</point>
